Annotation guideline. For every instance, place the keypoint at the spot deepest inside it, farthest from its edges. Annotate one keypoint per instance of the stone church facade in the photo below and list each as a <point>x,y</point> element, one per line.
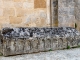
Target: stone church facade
<point>39,13</point>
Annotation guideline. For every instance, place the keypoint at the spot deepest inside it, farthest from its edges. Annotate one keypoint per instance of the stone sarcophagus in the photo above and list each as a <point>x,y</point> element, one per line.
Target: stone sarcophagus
<point>14,41</point>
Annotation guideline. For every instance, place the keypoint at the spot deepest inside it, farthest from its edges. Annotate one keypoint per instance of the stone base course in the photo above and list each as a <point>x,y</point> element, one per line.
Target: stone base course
<point>16,41</point>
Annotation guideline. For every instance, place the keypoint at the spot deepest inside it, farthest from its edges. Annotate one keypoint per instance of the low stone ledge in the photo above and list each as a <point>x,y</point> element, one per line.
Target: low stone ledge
<point>31,40</point>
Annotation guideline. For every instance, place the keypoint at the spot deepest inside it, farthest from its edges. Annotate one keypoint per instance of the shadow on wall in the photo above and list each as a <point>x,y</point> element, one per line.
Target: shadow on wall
<point>77,14</point>
<point>54,13</point>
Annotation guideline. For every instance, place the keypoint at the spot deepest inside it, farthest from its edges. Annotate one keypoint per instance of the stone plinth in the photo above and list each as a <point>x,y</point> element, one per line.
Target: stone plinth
<point>16,41</point>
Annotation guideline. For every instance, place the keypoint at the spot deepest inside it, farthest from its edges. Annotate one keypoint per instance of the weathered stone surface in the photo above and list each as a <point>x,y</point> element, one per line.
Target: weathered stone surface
<point>41,45</point>
<point>47,44</point>
<point>27,46</point>
<point>39,4</point>
<point>78,40</point>
<point>24,13</point>
<point>19,43</point>
<point>34,45</point>
<point>60,43</point>
<point>70,40</point>
<point>66,13</point>
<point>64,42</point>
<point>9,47</point>
<point>30,40</point>
<point>39,13</point>
<point>54,43</point>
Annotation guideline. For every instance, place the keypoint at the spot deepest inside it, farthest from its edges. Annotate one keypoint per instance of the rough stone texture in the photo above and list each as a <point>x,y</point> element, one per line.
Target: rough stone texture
<point>31,40</point>
<point>39,13</point>
<point>24,13</point>
<point>39,4</point>
<point>66,13</point>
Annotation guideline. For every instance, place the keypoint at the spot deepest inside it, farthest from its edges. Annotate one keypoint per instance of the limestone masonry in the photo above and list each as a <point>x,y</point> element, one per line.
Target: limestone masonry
<point>39,13</point>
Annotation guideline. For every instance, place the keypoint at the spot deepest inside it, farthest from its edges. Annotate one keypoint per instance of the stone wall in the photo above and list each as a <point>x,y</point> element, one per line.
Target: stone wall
<point>30,40</point>
<point>69,13</point>
<point>39,13</point>
<point>66,13</point>
<point>24,13</point>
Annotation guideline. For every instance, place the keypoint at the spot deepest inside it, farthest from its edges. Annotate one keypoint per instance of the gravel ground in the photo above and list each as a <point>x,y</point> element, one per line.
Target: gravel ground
<point>71,54</point>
